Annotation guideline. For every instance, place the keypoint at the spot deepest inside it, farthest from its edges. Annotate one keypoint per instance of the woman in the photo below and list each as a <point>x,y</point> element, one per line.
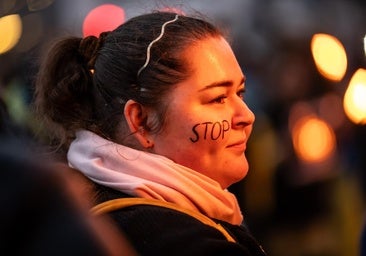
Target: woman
<point>154,111</point>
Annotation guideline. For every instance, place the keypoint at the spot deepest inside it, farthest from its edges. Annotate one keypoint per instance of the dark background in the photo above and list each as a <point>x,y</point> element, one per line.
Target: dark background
<point>293,207</point>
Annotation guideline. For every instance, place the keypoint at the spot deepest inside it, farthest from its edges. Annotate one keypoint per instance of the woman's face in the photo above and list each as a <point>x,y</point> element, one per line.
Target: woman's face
<point>208,124</point>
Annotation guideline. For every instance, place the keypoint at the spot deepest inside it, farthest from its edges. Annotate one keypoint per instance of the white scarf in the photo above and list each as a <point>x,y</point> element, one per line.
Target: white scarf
<point>142,174</point>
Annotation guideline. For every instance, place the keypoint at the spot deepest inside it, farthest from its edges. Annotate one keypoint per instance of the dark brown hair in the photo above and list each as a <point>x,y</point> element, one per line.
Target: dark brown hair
<point>84,83</point>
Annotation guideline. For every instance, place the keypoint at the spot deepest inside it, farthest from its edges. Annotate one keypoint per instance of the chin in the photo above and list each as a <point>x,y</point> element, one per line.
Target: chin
<point>240,174</point>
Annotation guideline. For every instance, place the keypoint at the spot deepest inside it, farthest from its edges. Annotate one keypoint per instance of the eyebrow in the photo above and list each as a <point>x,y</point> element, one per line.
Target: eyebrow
<point>225,83</point>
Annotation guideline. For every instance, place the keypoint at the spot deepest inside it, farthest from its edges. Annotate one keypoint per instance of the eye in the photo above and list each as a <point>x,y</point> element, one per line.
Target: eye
<point>220,99</point>
<point>241,93</point>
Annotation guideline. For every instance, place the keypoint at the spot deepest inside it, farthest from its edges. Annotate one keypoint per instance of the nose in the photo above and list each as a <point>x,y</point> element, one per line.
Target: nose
<point>243,116</point>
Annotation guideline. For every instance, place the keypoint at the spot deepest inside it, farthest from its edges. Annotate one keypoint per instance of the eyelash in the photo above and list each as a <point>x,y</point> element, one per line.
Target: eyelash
<point>221,98</point>
<point>241,93</point>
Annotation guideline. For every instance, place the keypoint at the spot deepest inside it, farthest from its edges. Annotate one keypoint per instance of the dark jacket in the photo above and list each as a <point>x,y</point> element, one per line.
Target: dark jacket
<point>155,230</point>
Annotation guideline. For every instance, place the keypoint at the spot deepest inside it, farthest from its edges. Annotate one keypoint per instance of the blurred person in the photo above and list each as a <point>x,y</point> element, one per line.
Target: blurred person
<point>152,113</point>
<point>41,213</point>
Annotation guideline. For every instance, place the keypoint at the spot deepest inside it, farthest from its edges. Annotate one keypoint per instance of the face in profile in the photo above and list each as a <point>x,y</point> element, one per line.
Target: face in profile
<point>208,124</point>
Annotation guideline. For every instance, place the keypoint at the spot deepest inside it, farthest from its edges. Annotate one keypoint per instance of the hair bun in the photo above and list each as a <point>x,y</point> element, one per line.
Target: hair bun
<point>89,47</point>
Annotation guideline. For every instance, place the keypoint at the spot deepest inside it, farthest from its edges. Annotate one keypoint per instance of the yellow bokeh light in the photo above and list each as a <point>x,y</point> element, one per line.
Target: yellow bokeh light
<point>10,32</point>
<point>354,101</point>
<point>329,56</point>
<point>313,139</point>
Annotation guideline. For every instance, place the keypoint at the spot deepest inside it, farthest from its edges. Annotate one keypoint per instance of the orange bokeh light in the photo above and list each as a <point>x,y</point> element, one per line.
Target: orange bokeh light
<point>313,139</point>
<point>329,56</point>
<point>354,101</point>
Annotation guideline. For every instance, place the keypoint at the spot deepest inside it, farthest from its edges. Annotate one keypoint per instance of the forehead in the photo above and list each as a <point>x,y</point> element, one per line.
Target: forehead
<point>212,60</point>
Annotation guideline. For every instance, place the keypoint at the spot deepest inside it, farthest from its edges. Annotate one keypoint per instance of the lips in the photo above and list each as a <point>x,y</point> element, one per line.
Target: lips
<point>240,145</point>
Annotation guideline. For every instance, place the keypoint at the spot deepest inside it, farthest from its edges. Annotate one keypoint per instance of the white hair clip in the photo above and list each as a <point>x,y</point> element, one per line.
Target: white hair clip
<point>154,41</point>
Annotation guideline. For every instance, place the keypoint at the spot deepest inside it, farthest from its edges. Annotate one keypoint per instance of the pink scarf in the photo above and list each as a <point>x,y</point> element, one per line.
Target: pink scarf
<point>147,175</point>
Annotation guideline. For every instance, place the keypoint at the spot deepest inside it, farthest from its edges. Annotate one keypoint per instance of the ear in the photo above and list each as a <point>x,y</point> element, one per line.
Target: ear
<point>136,116</point>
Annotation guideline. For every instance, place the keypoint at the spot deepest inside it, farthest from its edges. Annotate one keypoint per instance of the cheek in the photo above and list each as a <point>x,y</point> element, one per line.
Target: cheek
<point>209,131</point>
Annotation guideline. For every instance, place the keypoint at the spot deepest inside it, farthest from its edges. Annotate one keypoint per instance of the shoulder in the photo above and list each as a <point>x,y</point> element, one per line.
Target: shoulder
<point>154,229</point>
<point>80,186</point>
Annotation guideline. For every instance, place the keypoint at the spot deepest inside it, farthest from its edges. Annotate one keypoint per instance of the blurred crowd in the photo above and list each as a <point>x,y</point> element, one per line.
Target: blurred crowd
<point>294,207</point>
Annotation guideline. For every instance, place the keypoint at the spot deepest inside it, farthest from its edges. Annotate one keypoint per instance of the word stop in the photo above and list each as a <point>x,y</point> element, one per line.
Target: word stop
<point>210,130</point>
